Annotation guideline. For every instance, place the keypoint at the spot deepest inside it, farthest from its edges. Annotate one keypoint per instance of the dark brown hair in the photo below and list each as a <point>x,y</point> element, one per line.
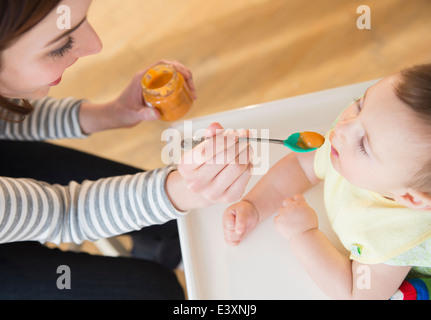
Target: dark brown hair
<point>16,18</point>
<point>414,89</point>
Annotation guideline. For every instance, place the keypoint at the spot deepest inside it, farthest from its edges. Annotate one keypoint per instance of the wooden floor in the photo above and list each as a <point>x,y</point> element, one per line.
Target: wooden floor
<point>241,52</point>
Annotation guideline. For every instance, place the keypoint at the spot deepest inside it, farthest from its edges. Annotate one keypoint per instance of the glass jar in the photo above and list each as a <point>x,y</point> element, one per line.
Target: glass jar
<point>166,90</point>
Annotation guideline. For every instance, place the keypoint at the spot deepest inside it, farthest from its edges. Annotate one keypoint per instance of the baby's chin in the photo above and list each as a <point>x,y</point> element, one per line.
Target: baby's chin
<point>359,184</point>
<point>336,165</point>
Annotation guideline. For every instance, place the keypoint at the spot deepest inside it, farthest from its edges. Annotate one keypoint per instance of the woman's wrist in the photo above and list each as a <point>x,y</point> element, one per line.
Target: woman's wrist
<point>181,197</point>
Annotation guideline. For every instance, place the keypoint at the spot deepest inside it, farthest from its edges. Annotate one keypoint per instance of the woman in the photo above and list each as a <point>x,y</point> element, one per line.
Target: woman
<point>52,194</point>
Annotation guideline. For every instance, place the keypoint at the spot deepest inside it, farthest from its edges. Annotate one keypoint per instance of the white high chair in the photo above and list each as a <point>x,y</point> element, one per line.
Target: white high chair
<point>262,266</point>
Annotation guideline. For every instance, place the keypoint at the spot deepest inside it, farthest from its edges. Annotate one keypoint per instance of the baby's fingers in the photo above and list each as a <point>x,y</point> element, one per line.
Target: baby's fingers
<point>240,223</point>
<point>234,221</point>
<point>298,199</point>
<point>234,226</point>
<point>228,221</point>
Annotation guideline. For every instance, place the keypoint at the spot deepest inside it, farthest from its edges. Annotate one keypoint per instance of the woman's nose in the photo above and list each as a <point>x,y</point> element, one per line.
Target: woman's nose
<point>89,44</point>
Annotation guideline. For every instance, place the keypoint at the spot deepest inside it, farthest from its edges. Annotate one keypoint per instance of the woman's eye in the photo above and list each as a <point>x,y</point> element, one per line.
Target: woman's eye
<point>63,50</point>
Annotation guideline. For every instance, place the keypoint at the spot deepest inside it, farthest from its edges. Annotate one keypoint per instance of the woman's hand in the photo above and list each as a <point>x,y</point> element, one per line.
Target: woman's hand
<point>129,108</point>
<point>217,170</point>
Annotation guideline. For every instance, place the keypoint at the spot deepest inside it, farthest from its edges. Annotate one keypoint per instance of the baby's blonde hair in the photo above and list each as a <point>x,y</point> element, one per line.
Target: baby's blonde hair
<point>414,89</point>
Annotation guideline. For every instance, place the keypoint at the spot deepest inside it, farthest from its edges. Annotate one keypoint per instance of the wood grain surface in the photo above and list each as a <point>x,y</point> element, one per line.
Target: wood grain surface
<point>241,53</point>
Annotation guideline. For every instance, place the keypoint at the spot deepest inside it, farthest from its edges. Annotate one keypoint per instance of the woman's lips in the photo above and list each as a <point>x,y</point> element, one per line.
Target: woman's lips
<point>56,82</point>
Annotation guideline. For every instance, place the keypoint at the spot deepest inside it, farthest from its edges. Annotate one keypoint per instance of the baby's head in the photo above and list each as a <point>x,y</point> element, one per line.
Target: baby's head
<point>382,141</point>
<point>414,89</point>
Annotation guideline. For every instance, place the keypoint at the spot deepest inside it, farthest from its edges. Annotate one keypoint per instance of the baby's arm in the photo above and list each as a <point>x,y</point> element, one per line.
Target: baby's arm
<point>291,175</point>
<point>337,275</point>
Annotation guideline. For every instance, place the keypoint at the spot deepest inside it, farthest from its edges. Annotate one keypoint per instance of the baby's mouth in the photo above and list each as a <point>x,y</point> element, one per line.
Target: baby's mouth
<point>334,152</point>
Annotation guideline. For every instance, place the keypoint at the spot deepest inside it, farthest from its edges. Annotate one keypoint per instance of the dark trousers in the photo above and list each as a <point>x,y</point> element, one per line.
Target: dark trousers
<point>29,270</point>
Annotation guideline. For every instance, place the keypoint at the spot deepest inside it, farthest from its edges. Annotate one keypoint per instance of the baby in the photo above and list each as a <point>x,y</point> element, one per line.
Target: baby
<point>376,167</point>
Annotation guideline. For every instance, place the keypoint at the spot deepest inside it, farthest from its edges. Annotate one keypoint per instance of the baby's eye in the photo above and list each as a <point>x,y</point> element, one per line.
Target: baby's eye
<point>361,145</point>
<point>358,103</point>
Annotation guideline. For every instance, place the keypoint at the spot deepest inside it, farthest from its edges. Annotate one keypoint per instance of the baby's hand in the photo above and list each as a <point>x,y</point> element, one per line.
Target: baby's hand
<point>295,217</point>
<point>238,219</point>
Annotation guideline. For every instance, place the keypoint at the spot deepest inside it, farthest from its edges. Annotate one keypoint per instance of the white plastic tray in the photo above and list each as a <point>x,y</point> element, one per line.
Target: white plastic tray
<point>263,266</point>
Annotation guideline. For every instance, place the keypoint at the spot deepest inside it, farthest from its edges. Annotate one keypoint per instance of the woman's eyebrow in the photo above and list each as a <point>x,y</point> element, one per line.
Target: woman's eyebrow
<point>67,32</point>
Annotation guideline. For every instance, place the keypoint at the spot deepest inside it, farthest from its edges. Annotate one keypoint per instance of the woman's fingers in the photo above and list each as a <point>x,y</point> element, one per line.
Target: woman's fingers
<point>218,163</point>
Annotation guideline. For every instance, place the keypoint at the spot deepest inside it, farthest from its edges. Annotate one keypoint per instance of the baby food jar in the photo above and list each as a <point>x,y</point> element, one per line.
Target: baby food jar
<point>166,90</point>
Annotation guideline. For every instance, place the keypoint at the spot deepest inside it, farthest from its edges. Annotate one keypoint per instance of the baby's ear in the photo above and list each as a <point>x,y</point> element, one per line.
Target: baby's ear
<point>414,200</point>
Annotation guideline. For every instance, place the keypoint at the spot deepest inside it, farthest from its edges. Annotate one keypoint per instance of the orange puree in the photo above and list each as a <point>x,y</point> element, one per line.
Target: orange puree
<point>159,80</point>
<point>310,140</point>
<point>165,89</point>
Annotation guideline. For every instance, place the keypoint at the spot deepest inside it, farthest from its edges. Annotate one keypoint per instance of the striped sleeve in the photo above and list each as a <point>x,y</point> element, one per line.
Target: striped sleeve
<point>51,119</point>
<point>36,211</point>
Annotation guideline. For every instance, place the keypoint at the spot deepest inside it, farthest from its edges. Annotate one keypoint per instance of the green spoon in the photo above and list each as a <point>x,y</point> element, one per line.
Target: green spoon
<point>291,142</point>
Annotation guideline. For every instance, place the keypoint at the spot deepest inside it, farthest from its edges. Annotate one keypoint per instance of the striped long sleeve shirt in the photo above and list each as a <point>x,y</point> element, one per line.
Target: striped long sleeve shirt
<point>37,211</point>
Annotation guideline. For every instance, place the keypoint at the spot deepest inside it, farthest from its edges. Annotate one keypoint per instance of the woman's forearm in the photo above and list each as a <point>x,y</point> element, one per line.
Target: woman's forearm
<point>95,117</point>
<point>84,211</point>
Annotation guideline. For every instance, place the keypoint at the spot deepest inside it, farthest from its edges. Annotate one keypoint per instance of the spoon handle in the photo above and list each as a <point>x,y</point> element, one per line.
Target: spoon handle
<point>191,143</point>
<point>263,140</point>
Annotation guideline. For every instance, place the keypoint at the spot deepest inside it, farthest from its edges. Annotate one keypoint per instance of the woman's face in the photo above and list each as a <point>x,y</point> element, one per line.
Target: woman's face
<point>37,60</point>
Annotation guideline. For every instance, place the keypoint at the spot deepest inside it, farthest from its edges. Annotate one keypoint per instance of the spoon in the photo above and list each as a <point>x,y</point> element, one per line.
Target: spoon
<point>298,142</point>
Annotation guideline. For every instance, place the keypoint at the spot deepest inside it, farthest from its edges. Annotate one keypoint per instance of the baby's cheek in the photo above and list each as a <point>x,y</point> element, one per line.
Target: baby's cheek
<point>359,177</point>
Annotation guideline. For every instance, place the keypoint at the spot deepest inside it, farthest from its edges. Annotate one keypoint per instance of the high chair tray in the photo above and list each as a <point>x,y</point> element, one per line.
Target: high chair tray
<point>263,265</point>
